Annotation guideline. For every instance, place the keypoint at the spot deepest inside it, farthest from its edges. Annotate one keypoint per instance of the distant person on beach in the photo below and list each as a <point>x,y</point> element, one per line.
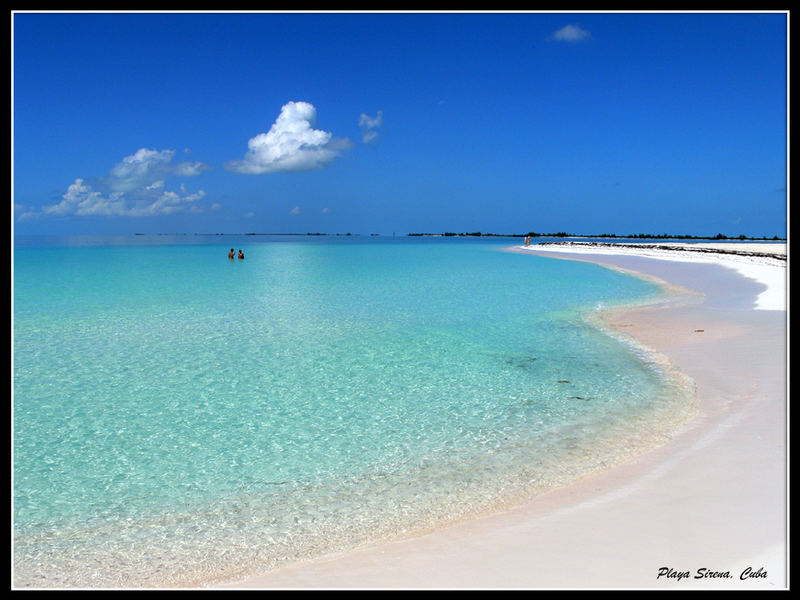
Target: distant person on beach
<point>241,254</point>
<point>230,254</point>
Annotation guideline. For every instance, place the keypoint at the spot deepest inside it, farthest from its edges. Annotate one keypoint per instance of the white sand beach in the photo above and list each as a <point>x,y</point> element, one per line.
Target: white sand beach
<point>706,510</point>
<point>764,263</point>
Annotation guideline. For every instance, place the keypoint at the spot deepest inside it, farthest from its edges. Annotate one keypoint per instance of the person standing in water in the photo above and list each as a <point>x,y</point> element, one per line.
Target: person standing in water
<point>241,254</point>
<point>230,254</point>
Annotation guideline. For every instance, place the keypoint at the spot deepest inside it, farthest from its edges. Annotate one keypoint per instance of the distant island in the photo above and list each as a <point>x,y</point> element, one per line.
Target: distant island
<point>533,234</point>
<point>564,234</point>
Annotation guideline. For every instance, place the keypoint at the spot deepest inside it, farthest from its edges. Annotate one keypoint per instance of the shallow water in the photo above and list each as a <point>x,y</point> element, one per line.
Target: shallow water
<point>180,418</point>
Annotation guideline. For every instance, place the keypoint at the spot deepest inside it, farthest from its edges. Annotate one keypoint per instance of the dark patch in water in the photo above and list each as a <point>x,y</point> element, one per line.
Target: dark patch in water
<point>563,381</point>
<point>522,363</point>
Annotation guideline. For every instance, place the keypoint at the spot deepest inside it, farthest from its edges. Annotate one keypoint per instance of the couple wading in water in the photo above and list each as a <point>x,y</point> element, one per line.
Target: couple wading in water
<point>241,255</point>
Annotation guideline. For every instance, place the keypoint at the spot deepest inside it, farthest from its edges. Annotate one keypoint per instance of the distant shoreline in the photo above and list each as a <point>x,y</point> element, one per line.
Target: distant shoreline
<point>611,236</point>
<point>535,236</point>
<point>704,248</point>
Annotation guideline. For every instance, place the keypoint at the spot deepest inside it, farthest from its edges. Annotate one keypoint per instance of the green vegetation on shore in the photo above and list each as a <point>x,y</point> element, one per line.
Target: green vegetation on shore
<point>563,234</point>
<point>533,234</point>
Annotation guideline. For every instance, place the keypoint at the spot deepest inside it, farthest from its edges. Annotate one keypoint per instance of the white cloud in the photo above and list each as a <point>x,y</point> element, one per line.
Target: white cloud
<point>140,168</point>
<point>295,211</point>
<point>166,203</point>
<point>291,144</point>
<point>369,125</point>
<point>82,200</point>
<point>135,187</point>
<point>23,212</point>
<point>572,33</point>
<point>146,166</point>
<point>190,169</point>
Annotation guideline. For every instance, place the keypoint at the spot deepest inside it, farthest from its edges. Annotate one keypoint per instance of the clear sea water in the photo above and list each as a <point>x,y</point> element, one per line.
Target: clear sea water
<point>180,418</point>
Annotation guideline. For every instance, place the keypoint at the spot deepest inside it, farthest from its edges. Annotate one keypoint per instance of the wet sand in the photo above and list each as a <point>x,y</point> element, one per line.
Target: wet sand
<point>705,510</point>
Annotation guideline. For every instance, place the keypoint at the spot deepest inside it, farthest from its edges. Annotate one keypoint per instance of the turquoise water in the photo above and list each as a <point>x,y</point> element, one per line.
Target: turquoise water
<point>181,418</point>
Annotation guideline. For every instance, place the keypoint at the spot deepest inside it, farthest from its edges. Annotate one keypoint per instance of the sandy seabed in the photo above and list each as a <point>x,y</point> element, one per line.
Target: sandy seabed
<point>706,510</point>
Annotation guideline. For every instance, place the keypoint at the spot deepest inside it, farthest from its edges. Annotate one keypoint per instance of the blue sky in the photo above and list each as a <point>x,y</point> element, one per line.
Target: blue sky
<point>379,123</point>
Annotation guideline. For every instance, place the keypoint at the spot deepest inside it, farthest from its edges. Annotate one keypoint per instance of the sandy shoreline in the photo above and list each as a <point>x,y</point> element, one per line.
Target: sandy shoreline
<point>711,501</point>
<point>763,263</point>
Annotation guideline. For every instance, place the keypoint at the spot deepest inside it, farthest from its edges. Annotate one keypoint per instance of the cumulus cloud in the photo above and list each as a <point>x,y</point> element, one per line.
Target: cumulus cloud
<point>369,126</point>
<point>291,144</point>
<point>295,211</point>
<point>135,187</point>
<point>572,33</point>
<point>146,166</point>
<point>139,168</point>
<point>82,200</point>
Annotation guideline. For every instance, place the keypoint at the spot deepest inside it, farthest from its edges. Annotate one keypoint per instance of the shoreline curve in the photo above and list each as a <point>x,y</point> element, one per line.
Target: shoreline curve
<point>710,502</point>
